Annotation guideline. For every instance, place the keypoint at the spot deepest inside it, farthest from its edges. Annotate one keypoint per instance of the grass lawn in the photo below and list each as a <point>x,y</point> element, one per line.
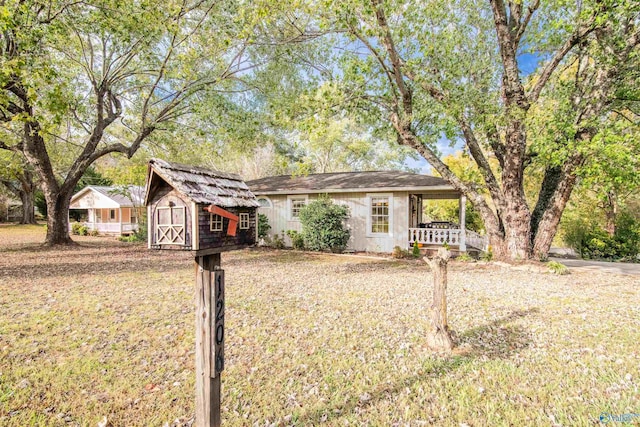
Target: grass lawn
<point>105,329</point>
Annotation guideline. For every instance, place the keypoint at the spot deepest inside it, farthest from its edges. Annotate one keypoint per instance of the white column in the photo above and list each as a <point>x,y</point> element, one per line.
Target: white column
<point>463,228</point>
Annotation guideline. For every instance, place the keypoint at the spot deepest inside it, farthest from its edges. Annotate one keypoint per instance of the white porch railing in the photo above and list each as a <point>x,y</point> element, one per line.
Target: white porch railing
<point>109,227</point>
<point>435,236</point>
<point>477,241</point>
<point>450,236</point>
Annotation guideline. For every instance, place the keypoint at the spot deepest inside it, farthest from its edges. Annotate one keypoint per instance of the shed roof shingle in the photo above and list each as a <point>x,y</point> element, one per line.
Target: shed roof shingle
<point>205,185</point>
<point>346,181</point>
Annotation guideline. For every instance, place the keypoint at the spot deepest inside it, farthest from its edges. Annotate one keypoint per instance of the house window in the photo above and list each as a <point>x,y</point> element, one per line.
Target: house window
<point>98,214</point>
<point>379,215</point>
<point>112,214</point>
<point>244,221</point>
<point>170,225</point>
<point>134,216</point>
<point>264,202</point>
<point>215,222</point>
<point>295,204</point>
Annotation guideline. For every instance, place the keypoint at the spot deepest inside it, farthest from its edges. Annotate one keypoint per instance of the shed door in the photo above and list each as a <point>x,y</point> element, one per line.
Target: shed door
<point>170,228</point>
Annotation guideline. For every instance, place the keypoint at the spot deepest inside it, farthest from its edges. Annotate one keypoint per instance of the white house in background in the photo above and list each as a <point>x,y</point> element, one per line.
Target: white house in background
<point>386,208</point>
<point>109,210</point>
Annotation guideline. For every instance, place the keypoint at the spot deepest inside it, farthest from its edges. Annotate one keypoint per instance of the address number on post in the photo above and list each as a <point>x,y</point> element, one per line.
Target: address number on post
<point>217,324</point>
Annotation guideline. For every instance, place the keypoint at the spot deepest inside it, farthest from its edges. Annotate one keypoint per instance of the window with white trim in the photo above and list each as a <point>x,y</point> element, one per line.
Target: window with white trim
<point>264,202</point>
<point>379,215</point>
<point>296,203</point>
<point>244,221</point>
<point>170,225</point>
<point>215,222</point>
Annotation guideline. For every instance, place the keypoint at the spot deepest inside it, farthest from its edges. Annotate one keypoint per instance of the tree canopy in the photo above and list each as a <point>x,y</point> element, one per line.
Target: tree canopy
<point>480,73</point>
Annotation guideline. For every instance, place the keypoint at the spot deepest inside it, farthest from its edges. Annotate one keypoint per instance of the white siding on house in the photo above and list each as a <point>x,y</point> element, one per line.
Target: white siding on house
<point>359,207</point>
<point>93,199</point>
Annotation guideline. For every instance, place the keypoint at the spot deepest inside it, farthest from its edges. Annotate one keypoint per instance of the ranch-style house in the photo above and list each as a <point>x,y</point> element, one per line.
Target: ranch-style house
<point>386,208</point>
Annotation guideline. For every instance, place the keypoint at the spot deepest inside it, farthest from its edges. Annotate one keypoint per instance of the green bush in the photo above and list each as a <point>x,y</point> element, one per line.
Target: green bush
<point>464,257</point>
<point>94,233</point>
<point>487,256</point>
<point>263,226</point>
<point>297,241</point>
<point>557,268</point>
<point>416,249</point>
<point>79,229</point>
<point>323,225</point>
<point>593,242</point>
<point>399,253</point>
<point>131,238</point>
<point>75,228</point>
<point>141,232</point>
<point>278,241</point>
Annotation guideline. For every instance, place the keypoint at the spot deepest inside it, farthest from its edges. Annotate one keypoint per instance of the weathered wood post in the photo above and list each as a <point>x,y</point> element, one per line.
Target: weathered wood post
<point>206,212</point>
<point>209,339</point>
<point>439,338</point>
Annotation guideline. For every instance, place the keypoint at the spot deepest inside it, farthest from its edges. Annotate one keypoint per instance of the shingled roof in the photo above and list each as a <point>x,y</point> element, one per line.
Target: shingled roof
<point>341,182</point>
<point>202,185</point>
<point>125,196</point>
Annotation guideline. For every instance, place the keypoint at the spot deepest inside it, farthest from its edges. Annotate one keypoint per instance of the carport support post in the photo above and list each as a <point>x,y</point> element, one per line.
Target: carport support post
<point>207,381</point>
<point>463,225</point>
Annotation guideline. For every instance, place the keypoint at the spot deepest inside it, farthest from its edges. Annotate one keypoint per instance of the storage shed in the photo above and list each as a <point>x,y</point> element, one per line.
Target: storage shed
<point>198,209</point>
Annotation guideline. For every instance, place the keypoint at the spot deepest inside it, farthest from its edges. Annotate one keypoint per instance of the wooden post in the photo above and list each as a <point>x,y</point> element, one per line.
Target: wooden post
<point>209,339</point>
<point>439,338</point>
<point>463,226</point>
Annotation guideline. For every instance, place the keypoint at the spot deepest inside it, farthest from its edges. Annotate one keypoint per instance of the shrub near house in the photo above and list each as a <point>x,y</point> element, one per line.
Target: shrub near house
<point>323,225</point>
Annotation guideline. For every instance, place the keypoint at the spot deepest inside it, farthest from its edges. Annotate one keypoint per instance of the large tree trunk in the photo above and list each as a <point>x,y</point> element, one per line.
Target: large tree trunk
<point>58,219</point>
<point>548,224</point>
<point>550,182</point>
<point>28,213</point>
<point>24,188</point>
<point>27,196</point>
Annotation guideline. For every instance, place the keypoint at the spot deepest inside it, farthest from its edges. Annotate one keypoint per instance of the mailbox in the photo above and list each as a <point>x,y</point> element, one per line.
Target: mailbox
<point>198,209</point>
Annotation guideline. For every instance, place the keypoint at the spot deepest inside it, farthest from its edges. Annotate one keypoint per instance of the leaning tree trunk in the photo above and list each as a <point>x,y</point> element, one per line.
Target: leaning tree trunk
<point>548,225</point>
<point>58,219</point>
<point>439,338</point>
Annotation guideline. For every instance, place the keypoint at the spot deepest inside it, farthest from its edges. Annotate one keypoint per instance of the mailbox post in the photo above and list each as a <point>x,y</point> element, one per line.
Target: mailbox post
<point>206,212</point>
<point>209,338</point>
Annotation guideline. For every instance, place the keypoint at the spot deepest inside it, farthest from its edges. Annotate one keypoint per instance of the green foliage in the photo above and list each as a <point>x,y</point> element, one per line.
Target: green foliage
<point>465,257</point>
<point>94,233</point>
<point>92,177</point>
<point>557,268</point>
<point>277,242</point>
<point>323,225</point>
<point>416,249</point>
<point>591,241</point>
<point>263,226</point>
<point>297,241</point>
<point>79,229</point>
<point>487,255</point>
<point>399,253</point>
<point>131,238</point>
